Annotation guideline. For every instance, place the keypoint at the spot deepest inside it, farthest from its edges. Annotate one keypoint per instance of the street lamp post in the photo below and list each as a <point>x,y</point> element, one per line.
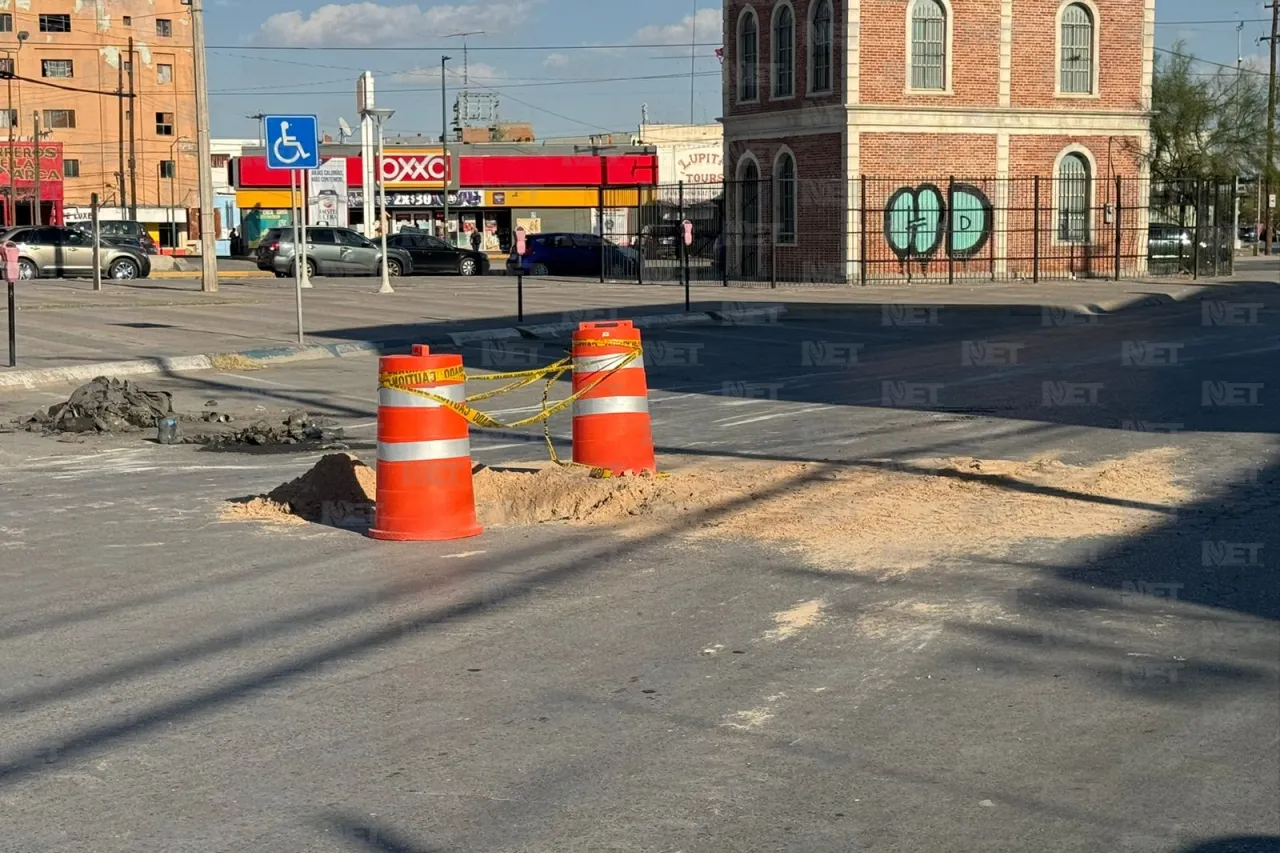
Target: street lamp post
<point>381,115</point>
<point>444,142</point>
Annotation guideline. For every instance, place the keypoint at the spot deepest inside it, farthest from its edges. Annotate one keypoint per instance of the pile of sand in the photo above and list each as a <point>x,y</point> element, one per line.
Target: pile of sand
<point>878,516</point>
<point>337,488</point>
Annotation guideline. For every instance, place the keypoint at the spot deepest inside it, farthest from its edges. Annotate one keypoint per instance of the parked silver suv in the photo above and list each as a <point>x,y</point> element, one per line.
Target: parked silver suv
<point>330,251</point>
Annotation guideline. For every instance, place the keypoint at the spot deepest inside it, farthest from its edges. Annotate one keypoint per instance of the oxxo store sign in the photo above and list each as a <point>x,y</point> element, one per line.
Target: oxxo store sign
<point>413,169</point>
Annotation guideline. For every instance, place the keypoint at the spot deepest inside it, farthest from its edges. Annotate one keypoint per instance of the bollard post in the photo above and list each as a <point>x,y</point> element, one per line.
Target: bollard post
<point>521,247</point>
<point>1119,213</point>
<point>1035,230</point>
<point>96,233</point>
<point>11,274</point>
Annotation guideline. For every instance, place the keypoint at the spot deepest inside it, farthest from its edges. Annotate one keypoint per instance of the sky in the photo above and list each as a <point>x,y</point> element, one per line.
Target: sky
<point>570,67</point>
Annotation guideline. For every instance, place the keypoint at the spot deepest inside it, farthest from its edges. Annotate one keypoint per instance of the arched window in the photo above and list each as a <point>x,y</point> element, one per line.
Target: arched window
<point>748,215</point>
<point>1076,46</point>
<point>928,45</point>
<point>784,52</point>
<point>820,48</point>
<point>1073,199</point>
<point>748,57</point>
<point>784,191</point>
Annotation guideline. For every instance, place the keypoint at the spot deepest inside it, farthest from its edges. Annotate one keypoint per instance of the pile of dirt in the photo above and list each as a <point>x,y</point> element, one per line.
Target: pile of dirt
<point>872,517</point>
<point>103,405</point>
<point>299,427</point>
<point>338,490</point>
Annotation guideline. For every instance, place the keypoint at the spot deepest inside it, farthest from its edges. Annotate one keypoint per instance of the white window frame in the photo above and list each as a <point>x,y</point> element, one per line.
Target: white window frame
<point>812,59</point>
<point>948,48</point>
<point>776,212</point>
<point>748,159</point>
<point>1094,71</point>
<point>773,53</point>
<point>1090,222</point>
<point>737,56</point>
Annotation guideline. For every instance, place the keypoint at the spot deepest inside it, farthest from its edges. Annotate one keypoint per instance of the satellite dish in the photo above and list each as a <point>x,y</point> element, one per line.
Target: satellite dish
<point>344,130</point>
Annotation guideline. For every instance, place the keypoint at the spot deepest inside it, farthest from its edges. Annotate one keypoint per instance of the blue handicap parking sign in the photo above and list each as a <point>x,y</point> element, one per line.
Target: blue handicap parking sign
<point>293,142</point>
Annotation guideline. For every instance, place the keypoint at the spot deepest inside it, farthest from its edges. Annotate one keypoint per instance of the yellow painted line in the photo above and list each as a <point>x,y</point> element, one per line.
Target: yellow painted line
<point>227,274</point>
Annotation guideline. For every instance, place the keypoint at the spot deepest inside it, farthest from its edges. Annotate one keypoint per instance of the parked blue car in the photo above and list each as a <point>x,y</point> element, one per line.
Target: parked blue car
<point>572,254</point>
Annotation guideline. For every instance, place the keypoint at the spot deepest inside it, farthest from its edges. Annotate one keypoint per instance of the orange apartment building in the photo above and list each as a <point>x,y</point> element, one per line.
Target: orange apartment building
<point>69,58</point>
<point>971,135</point>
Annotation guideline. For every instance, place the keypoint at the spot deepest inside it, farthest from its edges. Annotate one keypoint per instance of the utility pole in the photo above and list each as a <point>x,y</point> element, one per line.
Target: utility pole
<point>133,138</point>
<point>11,218</point>
<point>124,194</point>
<point>1270,164</point>
<point>444,143</point>
<point>37,217</point>
<point>1235,241</point>
<point>204,154</point>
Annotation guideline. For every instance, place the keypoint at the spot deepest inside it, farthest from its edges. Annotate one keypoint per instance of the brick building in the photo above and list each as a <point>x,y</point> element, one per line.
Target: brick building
<point>969,137</point>
<point>64,62</point>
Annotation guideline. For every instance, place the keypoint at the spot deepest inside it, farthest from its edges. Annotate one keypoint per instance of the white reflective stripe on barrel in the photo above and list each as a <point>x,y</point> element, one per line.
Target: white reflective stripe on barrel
<point>419,451</point>
<point>595,363</point>
<point>456,393</point>
<point>611,406</point>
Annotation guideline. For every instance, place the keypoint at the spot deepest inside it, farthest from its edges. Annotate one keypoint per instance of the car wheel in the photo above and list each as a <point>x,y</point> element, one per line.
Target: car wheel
<point>282,275</point>
<point>467,266</point>
<point>539,269</point>
<point>27,270</point>
<point>123,269</point>
<point>312,269</point>
<point>394,268</point>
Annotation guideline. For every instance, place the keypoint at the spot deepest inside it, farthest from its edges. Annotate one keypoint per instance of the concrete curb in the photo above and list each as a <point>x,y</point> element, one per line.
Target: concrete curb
<point>270,356</point>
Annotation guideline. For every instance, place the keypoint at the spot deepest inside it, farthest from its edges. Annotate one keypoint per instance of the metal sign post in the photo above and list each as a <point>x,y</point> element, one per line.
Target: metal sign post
<point>11,274</point>
<point>303,211</point>
<point>520,250</point>
<point>297,275</point>
<point>293,144</point>
<point>97,242</point>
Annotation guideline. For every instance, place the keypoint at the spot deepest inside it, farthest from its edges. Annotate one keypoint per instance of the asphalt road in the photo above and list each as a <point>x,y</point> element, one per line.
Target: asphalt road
<point>171,682</point>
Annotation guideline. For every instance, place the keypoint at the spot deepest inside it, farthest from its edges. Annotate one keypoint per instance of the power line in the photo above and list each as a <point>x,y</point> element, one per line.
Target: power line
<point>384,48</point>
<point>1209,61</point>
<point>498,88</point>
<point>1233,22</point>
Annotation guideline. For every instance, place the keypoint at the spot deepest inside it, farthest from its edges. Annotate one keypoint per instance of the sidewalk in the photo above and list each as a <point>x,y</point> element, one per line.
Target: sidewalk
<point>62,324</point>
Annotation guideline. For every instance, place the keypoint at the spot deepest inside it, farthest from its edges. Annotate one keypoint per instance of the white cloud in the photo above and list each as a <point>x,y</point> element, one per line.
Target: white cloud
<point>555,60</point>
<point>477,73</point>
<point>370,24</point>
<point>705,27</point>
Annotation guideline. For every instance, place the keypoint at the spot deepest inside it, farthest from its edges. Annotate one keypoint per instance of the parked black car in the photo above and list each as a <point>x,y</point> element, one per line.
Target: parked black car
<point>572,254</point>
<point>1171,248</point>
<point>120,232</point>
<point>433,256</point>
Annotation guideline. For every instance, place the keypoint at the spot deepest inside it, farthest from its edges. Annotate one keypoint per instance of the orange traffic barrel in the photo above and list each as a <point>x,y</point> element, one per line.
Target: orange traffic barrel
<point>611,428</point>
<point>424,451</point>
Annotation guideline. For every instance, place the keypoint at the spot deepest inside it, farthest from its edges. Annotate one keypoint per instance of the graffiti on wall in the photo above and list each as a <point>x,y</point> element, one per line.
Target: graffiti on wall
<point>917,220</point>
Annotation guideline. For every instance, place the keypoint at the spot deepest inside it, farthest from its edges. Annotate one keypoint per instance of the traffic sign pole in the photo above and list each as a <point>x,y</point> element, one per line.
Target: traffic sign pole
<point>297,276</point>
<point>303,210</point>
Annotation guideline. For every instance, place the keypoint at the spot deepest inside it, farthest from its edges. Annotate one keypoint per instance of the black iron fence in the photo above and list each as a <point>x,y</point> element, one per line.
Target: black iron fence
<point>951,229</point>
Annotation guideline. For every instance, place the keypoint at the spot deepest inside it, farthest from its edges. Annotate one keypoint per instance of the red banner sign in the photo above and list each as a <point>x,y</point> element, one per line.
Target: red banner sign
<point>24,175</point>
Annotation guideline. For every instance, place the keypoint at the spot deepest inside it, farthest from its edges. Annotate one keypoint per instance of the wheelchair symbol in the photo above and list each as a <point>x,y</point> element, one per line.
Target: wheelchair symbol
<point>288,142</point>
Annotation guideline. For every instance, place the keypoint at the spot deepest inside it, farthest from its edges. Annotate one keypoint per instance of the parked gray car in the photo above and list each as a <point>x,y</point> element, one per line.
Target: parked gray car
<point>52,251</point>
<point>330,251</point>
